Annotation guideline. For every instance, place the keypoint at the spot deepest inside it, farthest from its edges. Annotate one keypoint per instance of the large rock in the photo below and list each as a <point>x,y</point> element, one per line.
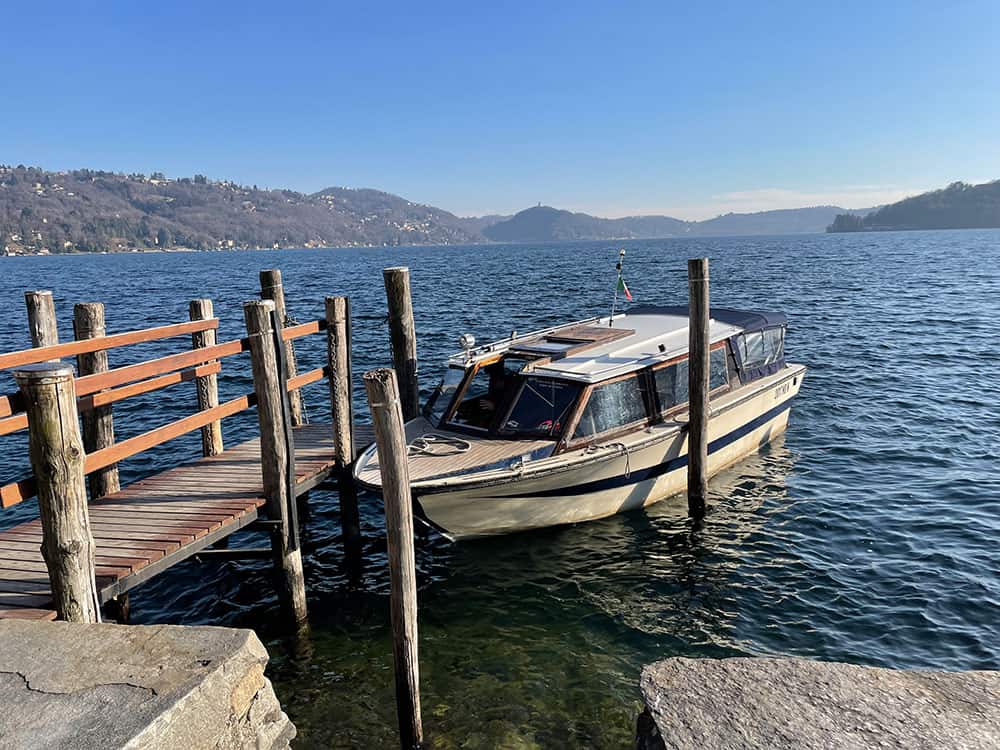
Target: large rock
<point>802,704</point>
<point>69,685</point>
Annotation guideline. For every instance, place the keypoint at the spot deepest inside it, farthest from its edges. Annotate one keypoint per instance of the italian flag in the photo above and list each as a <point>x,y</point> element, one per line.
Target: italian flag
<point>623,288</point>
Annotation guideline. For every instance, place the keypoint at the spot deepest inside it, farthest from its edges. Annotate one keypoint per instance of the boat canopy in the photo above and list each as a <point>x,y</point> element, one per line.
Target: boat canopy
<point>748,320</point>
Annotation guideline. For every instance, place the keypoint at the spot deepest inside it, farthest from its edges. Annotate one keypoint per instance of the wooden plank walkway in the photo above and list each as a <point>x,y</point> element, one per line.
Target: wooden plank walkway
<point>157,522</point>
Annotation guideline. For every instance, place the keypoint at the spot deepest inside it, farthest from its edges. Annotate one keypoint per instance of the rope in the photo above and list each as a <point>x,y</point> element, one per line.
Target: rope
<point>425,444</point>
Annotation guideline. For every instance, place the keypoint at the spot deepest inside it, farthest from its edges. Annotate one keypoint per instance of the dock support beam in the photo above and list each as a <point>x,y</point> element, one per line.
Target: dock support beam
<point>57,459</point>
<point>338,360</point>
<point>384,401</point>
<point>41,318</point>
<point>208,385</point>
<point>403,335</point>
<point>272,289</point>
<point>279,488</point>
<point>98,424</point>
<point>698,381</point>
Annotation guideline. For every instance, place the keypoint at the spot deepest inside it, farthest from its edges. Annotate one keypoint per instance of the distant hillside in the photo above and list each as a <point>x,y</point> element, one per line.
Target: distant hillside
<point>958,206</point>
<point>88,210</point>
<point>545,224</point>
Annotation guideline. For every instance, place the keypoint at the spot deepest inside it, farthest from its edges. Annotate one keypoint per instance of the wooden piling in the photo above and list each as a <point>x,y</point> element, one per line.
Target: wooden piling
<point>698,385</point>
<point>41,318</point>
<point>272,289</point>
<point>208,385</point>
<point>403,335</point>
<point>98,423</point>
<point>274,451</point>
<point>338,360</point>
<point>384,401</point>
<point>57,459</point>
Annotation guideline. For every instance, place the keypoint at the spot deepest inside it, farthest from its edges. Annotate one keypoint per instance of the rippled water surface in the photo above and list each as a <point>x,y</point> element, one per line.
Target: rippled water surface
<point>866,534</point>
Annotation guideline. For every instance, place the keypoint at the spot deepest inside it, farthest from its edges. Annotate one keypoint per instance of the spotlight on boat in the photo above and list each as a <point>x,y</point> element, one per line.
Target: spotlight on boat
<point>467,341</point>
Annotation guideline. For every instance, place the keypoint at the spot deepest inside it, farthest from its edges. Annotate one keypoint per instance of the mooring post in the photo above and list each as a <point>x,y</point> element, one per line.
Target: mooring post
<point>98,424</point>
<point>41,318</point>
<point>403,335</point>
<point>338,361</point>
<point>274,452</point>
<point>208,385</point>
<point>698,380</point>
<point>57,458</point>
<point>272,289</point>
<point>384,402</point>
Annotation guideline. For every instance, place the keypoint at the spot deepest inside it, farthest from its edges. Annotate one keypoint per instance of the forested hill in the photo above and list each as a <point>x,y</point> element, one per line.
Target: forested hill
<point>86,210</point>
<point>958,206</point>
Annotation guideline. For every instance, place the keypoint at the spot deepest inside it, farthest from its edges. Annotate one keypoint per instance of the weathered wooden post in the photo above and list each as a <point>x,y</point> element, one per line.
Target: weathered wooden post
<point>279,490</point>
<point>272,289</point>
<point>383,399</point>
<point>57,459</point>
<point>338,360</point>
<point>41,318</point>
<point>98,424</point>
<point>403,335</point>
<point>208,385</point>
<point>698,380</point>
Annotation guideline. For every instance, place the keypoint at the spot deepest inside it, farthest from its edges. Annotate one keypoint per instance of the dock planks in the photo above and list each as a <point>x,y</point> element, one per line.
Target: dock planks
<point>159,521</point>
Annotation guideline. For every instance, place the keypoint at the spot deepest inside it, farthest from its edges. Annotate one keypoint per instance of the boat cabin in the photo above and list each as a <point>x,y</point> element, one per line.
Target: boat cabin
<point>589,381</point>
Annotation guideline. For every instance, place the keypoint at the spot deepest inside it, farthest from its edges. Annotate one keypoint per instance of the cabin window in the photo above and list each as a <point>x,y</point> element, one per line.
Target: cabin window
<point>671,382</point>
<point>612,406</point>
<point>488,393</point>
<point>541,407</point>
<point>761,348</point>
<point>438,404</point>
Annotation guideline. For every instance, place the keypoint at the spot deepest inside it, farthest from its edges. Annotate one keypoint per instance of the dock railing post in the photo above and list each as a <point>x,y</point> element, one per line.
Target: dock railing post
<point>338,360</point>
<point>384,401</point>
<point>275,449</point>
<point>98,424</point>
<point>41,318</point>
<point>208,385</point>
<point>403,335</point>
<point>698,385</point>
<point>57,459</point>
<point>272,289</point>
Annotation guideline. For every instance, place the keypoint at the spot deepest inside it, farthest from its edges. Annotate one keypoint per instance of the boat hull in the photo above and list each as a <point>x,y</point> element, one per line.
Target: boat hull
<point>621,476</point>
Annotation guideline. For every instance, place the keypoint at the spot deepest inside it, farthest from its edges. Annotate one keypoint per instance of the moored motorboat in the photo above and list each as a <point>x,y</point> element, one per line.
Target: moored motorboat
<point>585,420</point>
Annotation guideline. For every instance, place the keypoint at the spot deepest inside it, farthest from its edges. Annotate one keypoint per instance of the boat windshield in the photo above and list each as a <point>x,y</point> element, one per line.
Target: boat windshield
<point>488,393</point>
<point>541,407</point>
<point>438,403</point>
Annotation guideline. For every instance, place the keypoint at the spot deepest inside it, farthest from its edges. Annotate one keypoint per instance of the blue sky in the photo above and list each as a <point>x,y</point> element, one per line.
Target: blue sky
<point>610,108</point>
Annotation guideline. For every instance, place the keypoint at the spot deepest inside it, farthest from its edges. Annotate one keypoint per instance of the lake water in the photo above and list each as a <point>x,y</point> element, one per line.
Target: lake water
<point>867,534</point>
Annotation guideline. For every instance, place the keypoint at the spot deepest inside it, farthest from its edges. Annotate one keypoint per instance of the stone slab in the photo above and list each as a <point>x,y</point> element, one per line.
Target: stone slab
<point>70,685</point>
<point>777,703</point>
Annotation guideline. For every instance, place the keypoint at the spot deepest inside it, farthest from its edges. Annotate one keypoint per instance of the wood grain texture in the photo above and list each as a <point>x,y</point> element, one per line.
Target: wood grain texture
<point>98,423</point>
<point>403,336</point>
<point>698,385</point>
<point>57,458</point>
<point>274,450</point>
<point>272,289</point>
<point>384,402</point>
<point>207,385</point>
<point>338,365</point>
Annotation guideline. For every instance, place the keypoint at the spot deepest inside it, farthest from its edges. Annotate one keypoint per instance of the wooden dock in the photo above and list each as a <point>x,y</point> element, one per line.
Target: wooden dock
<point>94,540</point>
<point>159,521</point>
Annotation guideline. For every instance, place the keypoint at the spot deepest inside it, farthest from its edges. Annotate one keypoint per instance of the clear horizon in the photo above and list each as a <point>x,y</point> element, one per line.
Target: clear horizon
<point>636,109</point>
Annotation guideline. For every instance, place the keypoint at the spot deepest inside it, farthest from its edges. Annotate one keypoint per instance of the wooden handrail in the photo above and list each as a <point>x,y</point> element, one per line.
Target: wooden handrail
<point>130,373</point>
<point>303,329</point>
<point>10,404</point>
<point>15,492</point>
<point>114,395</point>
<point>300,381</point>
<point>86,346</point>
<point>145,441</point>
<point>105,398</point>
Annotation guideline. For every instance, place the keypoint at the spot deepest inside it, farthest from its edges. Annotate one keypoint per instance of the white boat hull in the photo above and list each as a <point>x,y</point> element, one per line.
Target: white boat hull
<point>624,474</point>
